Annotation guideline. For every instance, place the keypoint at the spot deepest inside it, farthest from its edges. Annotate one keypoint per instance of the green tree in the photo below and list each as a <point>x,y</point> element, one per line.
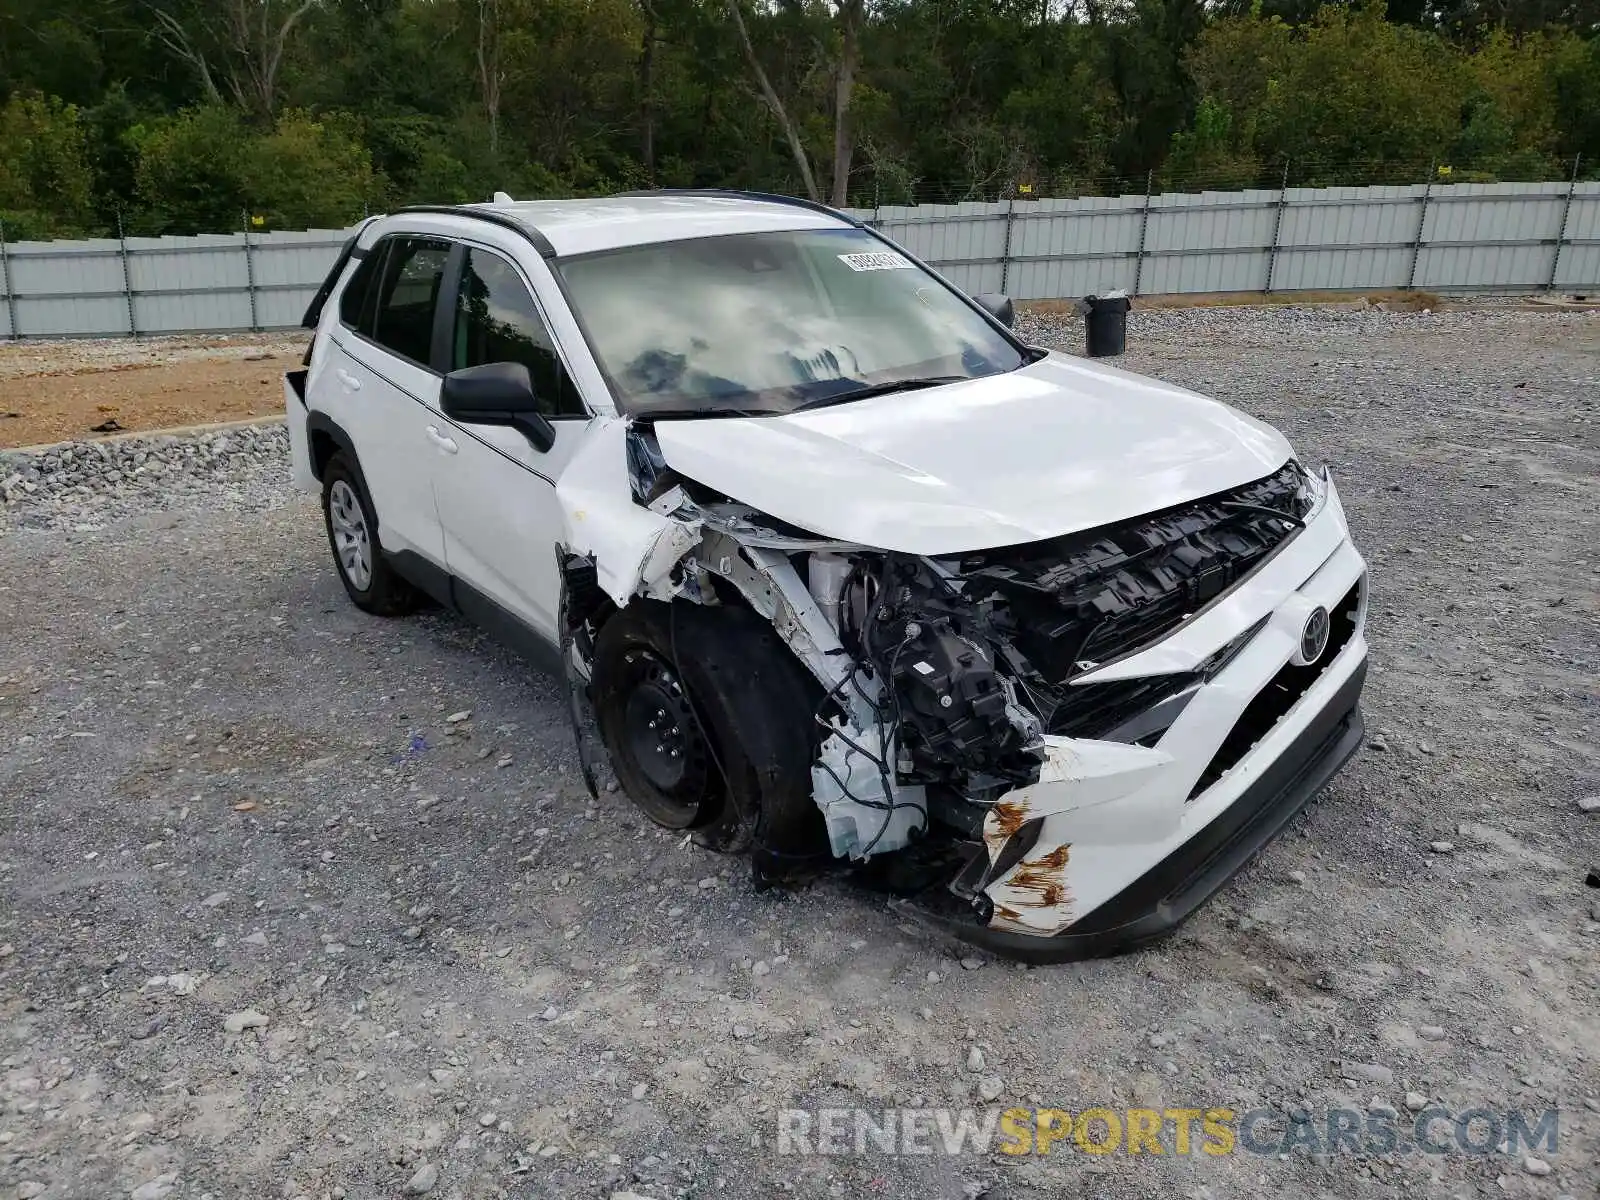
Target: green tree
<point>1209,155</point>
<point>1575,69</point>
<point>186,111</point>
<point>190,172</point>
<point>308,172</point>
<point>1509,123</point>
<point>46,178</point>
<point>1361,94</point>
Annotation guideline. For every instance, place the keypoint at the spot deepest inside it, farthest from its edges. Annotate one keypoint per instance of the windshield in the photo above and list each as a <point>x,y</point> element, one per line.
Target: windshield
<point>764,323</point>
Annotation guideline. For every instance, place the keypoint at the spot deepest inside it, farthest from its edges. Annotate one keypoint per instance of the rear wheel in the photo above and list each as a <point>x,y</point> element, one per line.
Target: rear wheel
<point>709,723</point>
<point>373,585</point>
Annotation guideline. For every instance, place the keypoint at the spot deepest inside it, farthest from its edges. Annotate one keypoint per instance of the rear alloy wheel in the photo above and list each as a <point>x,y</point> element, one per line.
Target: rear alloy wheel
<point>352,541</point>
<point>373,585</point>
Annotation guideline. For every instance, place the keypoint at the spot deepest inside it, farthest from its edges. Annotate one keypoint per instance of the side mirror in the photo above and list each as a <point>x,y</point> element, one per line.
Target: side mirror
<point>997,306</point>
<point>497,394</point>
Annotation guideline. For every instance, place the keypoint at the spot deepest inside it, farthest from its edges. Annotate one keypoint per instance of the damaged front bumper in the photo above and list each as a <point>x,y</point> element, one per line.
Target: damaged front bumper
<point>1107,863</point>
<point>1201,862</point>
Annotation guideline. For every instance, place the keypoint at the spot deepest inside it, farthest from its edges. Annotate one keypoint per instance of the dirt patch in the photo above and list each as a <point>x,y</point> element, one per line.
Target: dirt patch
<point>55,391</point>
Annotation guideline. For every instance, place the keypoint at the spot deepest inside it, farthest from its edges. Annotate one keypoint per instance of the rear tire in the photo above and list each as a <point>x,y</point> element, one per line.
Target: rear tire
<point>716,685</point>
<point>373,585</point>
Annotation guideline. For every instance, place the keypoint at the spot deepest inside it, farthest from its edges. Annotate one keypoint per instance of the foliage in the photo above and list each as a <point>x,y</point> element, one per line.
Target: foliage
<point>46,179</point>
<point>184,115</point>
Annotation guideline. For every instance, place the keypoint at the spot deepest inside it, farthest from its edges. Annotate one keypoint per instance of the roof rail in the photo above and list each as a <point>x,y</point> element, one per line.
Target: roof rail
<point>504,220</point>
<point>741,194</point>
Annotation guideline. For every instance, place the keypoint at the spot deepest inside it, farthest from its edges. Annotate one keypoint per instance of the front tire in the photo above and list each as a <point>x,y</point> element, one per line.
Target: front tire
<point>372,584</point>
<point>710,725</point>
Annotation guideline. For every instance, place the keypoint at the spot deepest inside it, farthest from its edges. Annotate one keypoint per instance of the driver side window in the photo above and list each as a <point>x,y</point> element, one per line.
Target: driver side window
<point>496,320</point>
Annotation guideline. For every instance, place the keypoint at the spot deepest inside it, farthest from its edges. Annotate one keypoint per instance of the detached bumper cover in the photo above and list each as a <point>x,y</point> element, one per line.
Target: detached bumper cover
<point>1160,900</point>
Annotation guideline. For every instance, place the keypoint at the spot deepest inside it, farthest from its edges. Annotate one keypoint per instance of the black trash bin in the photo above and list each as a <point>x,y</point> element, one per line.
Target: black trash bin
<point>1105,324</point>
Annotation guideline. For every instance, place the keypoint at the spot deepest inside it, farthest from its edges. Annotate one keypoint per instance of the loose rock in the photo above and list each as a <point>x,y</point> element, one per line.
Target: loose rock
<point>424,1181</point>
<point>1372,1072</point>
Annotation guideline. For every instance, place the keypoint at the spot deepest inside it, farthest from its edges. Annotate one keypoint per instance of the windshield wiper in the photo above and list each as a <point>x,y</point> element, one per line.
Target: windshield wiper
<point>697,414</point>
<point>880,389</point>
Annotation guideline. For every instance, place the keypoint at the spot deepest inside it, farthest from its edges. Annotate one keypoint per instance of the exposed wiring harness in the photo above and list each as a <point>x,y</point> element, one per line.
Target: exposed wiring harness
<point>885,701</point>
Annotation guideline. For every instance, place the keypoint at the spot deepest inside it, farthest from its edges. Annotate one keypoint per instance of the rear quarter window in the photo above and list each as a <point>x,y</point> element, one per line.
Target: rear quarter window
<point>355,310</point>
<point>392,296</point>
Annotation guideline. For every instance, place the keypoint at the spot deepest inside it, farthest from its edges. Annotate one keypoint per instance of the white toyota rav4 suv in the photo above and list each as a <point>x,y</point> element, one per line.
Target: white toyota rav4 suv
<point>840,573</point>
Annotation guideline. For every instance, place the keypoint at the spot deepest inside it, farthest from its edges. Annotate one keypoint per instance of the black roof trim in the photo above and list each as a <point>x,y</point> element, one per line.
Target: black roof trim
<point>313,313</point>
<point>741,194</point>
<point>493,216</point>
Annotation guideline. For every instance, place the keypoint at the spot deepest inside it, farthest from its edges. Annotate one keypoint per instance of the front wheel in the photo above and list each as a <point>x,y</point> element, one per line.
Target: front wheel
<point>710,725</point>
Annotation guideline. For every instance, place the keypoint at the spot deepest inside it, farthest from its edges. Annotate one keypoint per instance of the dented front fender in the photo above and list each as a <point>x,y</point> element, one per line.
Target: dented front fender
<point>634,548</point>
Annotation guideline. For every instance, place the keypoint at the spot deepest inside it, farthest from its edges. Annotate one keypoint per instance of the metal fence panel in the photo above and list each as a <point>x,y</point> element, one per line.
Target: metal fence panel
<point>288,268</point>
<point>183,284</point>
<point>1579,268</point>
<point>1483,237</point>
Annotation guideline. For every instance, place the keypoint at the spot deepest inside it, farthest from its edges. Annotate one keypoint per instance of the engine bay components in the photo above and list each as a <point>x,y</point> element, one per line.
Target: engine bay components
<point>866,813</point>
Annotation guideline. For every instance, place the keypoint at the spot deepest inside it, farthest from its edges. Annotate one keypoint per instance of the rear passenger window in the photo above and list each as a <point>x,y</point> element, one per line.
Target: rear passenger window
<point>403,319</point>
<point>497,321</point>
<point>354,310</point>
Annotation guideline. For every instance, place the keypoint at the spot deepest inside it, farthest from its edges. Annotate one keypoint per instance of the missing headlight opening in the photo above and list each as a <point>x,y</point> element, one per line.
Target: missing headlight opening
<point>964,730</point>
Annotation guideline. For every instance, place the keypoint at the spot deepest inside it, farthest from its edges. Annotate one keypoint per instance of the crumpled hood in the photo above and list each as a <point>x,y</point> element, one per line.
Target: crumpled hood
<point>1059,446</point>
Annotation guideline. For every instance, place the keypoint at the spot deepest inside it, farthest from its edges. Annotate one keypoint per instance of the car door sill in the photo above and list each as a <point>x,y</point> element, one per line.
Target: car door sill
<point>493,618</point>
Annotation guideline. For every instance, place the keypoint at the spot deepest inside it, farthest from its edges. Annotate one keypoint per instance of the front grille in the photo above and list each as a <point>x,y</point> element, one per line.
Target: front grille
<point>1113,709</point>
<point>1092,597</point>
<point>1282,692</point>
<point>1096,709</point>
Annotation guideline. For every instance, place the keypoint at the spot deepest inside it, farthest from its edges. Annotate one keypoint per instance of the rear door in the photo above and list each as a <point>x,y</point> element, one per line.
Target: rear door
<point>497,499</point>
<point>386,386</point>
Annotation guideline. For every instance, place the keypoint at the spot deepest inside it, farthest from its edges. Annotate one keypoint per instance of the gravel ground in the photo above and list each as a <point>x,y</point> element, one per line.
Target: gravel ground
<point>277,919</point>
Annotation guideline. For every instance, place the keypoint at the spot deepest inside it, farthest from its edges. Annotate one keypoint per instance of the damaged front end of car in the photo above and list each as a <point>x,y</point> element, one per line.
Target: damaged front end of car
<point>990,743</point>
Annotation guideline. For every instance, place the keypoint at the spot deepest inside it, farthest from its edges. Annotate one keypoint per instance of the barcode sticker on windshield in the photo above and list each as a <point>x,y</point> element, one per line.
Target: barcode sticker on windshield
<point>876,260</point>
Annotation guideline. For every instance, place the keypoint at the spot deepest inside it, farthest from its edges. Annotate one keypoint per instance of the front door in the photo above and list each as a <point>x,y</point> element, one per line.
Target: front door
<point>497,494</point>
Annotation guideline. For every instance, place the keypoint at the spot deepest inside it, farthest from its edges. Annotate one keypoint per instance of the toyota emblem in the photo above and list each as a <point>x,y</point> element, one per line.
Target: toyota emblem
<point>1314,637</point>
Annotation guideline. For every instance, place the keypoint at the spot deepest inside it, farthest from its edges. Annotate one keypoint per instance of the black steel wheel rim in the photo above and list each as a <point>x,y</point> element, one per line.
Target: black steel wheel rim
<point>663,737</point>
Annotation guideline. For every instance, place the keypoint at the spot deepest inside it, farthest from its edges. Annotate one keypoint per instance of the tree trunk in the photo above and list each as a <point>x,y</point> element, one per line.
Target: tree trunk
<point>779,113</point>
<point>175,37</point>
<point>259,37</point>
<point>844,83</point>
<point>647,93</point>
<point>489,66</point>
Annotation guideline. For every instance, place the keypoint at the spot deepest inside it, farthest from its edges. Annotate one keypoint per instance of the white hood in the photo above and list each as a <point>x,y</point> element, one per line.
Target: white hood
<point>1062,445</point>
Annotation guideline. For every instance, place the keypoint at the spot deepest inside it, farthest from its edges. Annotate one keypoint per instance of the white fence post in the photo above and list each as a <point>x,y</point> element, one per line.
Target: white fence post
<point>1005,251</point>
<point>1422,227</point>
<point>250,275</point>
